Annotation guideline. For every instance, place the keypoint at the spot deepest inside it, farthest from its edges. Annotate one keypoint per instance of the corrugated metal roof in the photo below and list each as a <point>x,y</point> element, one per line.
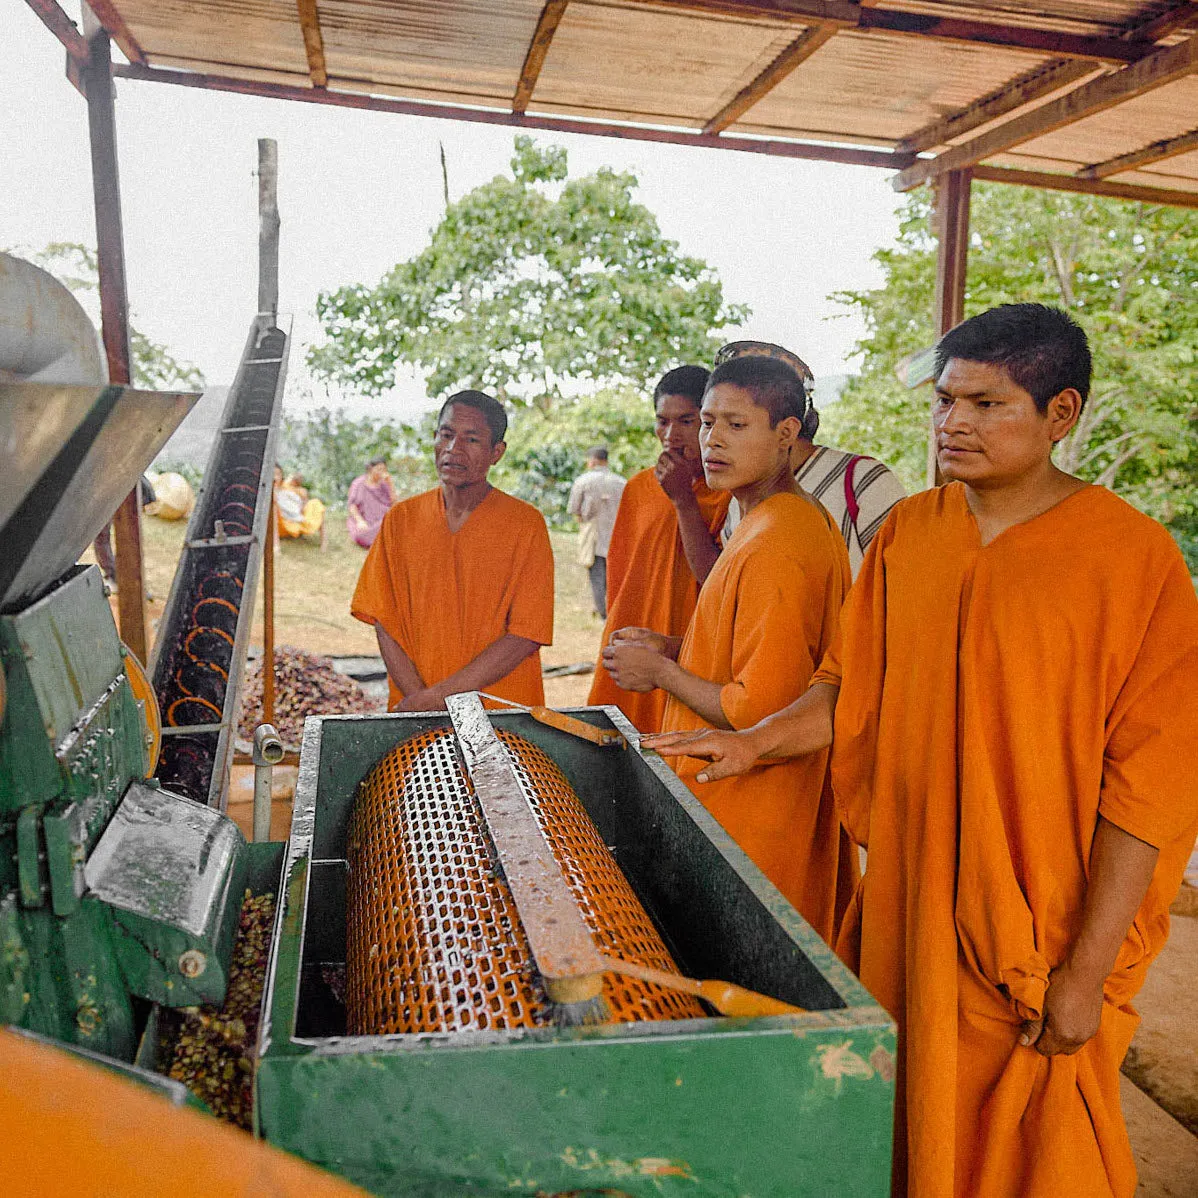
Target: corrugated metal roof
<point>679,63</point>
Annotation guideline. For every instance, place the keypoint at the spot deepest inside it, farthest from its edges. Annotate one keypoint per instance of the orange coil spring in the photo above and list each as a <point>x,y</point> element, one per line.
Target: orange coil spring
<point>434,943</point>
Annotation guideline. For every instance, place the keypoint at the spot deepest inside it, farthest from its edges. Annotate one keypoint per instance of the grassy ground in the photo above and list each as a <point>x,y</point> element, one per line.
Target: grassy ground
<point>313,588</point>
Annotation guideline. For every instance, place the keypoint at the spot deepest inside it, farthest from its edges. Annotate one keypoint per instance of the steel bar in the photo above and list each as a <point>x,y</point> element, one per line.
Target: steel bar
<point>810,151</point>
<point>1168,196</point>
<point>111,20</point>
<point>63,28</point>
<point>560,940</point>
<point>114,320</point>
<point>268,613</point>
<point>952,257</point>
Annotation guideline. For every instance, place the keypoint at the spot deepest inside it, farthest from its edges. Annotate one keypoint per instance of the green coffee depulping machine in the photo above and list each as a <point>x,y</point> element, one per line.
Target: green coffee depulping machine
<point>403,1040</point>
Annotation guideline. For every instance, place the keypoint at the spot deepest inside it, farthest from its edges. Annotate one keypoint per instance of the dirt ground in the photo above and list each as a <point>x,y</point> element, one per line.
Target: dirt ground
<point>312,595</point>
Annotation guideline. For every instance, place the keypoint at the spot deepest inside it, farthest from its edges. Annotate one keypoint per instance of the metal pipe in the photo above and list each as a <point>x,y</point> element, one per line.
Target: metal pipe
<point>267,753</point>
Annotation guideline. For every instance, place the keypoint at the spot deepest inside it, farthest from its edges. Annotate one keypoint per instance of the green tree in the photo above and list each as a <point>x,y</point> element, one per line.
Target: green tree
<point>330,449</point>
<point>154,368</point>
<point>1127,272</point>
<point>527,283</point>
<point>547,450</point>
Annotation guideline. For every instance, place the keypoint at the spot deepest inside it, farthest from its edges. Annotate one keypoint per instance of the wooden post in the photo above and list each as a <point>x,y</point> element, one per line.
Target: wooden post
<point>268,612</point>
<point>114,316</point>
<point>268,226</point>
<point>951,215</point>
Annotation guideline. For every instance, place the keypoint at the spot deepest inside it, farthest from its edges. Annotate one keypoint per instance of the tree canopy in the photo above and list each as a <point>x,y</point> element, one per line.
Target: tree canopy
<point>1128,272</point>
<point>529,282</point>
<point>154,368</point>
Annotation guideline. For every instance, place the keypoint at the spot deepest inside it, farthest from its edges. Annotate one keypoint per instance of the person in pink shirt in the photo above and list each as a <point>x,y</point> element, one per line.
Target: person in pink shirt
<point>371,497</point>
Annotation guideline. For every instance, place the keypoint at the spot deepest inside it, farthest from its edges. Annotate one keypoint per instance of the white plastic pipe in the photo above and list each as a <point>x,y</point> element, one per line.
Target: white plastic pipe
<point>45,334</point>
<point>267,753</point>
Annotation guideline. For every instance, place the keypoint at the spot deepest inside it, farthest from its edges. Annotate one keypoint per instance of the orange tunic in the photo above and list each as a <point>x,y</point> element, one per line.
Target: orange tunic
<point>71,1127</point>
<point>766,614</point>
<point>649,583</point>
<point>994,702</point>
<point>445,596</point>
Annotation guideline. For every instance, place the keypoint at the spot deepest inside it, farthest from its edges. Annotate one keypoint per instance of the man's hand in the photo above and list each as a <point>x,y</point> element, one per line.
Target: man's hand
<point>635,665</point>
<point>677,476</point>
<point>428,699</point>
<point>729,752</point>
<point>646,638</point>
<point>1072,1013</point>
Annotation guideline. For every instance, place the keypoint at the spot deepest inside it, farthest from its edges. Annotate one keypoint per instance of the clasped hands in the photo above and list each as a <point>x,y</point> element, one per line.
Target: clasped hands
<point>637,658</point>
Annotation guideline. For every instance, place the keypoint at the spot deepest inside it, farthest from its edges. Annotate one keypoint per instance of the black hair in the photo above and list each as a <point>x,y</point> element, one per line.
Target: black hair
<point>377,460</point>
<point>598,453</point>
<point>687,381</point>
<point>488,405</point>
<point>774,385</point>
<point>1043,349</point>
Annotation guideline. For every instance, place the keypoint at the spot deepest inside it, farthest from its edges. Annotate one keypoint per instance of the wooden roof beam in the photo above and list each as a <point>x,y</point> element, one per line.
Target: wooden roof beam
<point>538,49</point>
<point>1168,196</point>
<point>309,20</point>
<point>114,24</point>
<point>801,49</point>
<point>1159,151</point>
<point>1013,37</point>
<point>63,28</point>
<point>778,148</point>
<point>1040,82</point>
<point>1164,66</point>
<point>1035,85</point>
<point>872,19</point>
<point>1181,15</point>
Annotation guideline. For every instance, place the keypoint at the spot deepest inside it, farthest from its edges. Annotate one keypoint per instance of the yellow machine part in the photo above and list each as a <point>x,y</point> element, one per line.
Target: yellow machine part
<point>434,943</point>
<point>143,692</point>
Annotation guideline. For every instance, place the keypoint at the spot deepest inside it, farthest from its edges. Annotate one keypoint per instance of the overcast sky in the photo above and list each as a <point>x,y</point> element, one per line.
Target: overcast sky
<point>360,191</point>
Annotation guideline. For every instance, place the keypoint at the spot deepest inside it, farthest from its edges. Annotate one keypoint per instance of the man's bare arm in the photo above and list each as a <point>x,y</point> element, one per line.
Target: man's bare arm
<point>496,661</point>
<point>642,665</point>
<point>1121,868</point>
<point>677,477</point>
<point>803,727</point>
<point>399,665</point>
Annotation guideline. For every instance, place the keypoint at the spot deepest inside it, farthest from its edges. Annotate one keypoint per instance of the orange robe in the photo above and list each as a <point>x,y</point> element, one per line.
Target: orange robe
<point>649,583</point>
<point>445,596</point>
<point>71,1127</point>
<point>766,615</point>
<point>994,702</point>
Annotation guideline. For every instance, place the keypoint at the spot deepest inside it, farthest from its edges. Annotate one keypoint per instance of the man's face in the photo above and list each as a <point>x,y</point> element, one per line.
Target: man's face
<point>989,432</point>
<point>376,473</point>
<point>739,447</point>
<point>677,427</point>
<point>462,448</point>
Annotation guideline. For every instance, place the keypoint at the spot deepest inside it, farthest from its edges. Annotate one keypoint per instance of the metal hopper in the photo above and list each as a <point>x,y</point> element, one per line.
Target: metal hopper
<point>71,454</point>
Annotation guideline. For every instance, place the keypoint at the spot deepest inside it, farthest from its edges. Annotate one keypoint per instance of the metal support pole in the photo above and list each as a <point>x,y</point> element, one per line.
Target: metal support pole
<point>268,226</point>
<point>268,752</point>
<point>114,319</point>
<point>951,216</point>
<point>268,613</point>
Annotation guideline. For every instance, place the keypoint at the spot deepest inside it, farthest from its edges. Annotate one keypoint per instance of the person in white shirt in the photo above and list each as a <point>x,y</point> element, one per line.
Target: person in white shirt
<point>858,491</point>
<point>594,501</point>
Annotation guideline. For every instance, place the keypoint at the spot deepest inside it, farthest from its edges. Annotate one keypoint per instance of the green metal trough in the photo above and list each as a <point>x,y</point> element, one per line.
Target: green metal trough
<point>748,1108</point>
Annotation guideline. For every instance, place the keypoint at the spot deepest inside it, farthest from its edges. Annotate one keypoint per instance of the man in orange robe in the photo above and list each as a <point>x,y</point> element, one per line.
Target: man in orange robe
<point>766,615</point>
<point>665,516</point>
<point>1015,716</point>
<point>459,581</point>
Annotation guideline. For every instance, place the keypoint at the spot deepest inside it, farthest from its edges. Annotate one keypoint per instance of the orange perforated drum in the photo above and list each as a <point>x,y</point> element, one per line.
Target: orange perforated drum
<point>434,943</point>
